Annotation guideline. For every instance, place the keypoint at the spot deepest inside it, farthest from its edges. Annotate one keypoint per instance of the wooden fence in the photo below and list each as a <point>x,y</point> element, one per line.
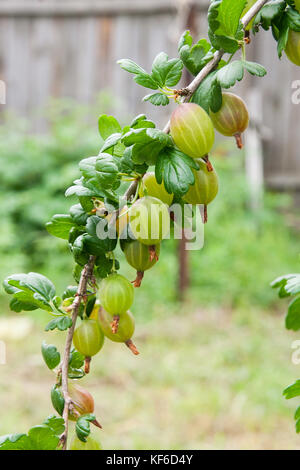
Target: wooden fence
<point>70,48</point>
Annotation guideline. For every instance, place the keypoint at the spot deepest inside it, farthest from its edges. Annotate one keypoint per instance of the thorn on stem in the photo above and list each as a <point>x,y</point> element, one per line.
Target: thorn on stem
<point>132,347</point>
<point>115,324</point>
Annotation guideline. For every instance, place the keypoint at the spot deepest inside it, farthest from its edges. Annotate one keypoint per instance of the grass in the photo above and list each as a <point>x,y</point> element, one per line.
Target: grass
<point>205,379</point>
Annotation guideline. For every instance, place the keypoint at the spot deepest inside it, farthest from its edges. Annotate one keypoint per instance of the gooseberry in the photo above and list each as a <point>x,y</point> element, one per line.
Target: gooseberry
<point>205,188</point>
<point>82,401</point>
<point>149,220</point>
<point>91,443</point>
<point>125,328</point>
<point>150,187</point>
<point>88,338</point>
<point>192,130</point>
<point>140,258</point>
<point>292,48</point>
<point>116,294</point>
<point>233,117</point>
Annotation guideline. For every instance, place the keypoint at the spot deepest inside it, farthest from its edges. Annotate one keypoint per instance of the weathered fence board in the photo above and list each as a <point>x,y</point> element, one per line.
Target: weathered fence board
<point>70,48</point>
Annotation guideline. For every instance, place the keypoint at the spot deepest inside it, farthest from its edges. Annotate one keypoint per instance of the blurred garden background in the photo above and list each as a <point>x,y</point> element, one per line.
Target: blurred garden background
<point>212,368</point>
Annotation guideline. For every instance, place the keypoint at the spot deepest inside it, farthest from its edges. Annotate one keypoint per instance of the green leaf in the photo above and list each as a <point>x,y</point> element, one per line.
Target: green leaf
<point>269,13</point>
<point>292,321</point>
<point>111,141</point>
<point>196,56</point>
<point>165,71</point>
<point>289,284</point>
<point>230,74</point>
<point>158,99</point>
<point>174,168</point>
<point>83,426</point>
<point>57,399</point>
<point>60,226</point>
<point>70,291</point>
<point>42,437</point>
<point>108,125</point>
<point>225,27</point>
<point>51,355</point>
<point>104,266</point>
<point>30,289</point>
<point>293,17</point>
<point>141,121</point>
<point>56,424</point>
<point>147,143</point>
<point>87,167</point>
<point>254,68</point>
<point>146,81</point>
<point>78,214</point>
<point>76,359</point>
<point>101,236</point>
<point>130,66</point>
<point>209,94</point>
<point>61,323</point>
<point>141,76</point>
<point>292,391</point>
<point>107,170</point>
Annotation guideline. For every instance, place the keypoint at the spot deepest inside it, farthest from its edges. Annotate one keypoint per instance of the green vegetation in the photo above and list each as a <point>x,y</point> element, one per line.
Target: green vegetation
<point>241,252</point>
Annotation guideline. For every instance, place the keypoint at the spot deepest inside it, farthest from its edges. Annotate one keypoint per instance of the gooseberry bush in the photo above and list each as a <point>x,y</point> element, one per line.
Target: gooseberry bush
<point>126,194</point>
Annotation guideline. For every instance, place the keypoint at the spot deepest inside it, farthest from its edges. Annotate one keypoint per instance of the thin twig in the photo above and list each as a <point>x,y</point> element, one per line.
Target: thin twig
<point>86,274</point>
<point>87,271</point>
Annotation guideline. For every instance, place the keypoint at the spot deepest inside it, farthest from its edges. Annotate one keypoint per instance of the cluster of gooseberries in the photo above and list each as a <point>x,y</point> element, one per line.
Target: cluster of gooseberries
<point>147,221</point>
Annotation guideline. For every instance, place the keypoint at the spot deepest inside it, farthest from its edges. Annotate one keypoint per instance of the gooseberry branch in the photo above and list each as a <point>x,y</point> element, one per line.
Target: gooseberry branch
<point>87,272</point>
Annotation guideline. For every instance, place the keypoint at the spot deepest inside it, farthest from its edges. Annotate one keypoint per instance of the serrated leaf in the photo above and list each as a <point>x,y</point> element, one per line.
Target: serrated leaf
<point>108,125</point>
<point>254,68</point>
<point>107,170</point>
<point>158,99</point>
<point>225,27</point>
<point>174,168</point>
<point>269,13</point>
<point>56,424</point>
<point>60,225</point>
<point>165,71</point>
<point>101,236</point>
<point>141,121</point>
<point>196,56</point>
<point>41,437</point>
<point>209,94</point>
<point>30,289</point>
<point>61,323</point>
<point>78,214</point>
<point>147,143</point>
<point>146,81</point>
<point>51,355</point>
<point>111,141</point>
<point>292,321</point>
<point>87,167</point>
<point>230,74</point>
